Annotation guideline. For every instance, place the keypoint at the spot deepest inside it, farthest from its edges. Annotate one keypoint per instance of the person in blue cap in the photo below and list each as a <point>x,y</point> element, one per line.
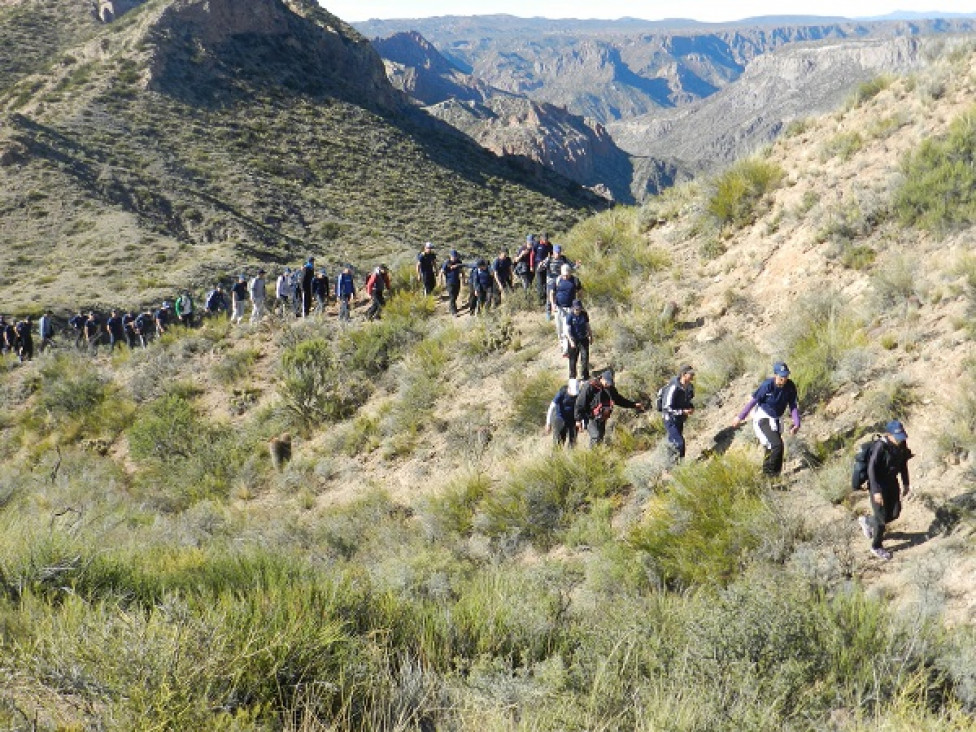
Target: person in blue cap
<point>773,397</point>
<point>887,463</point>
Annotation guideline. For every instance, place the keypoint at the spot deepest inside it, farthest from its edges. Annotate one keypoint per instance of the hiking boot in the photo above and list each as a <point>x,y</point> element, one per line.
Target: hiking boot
<point>865,527</point>
<point>881,553</point>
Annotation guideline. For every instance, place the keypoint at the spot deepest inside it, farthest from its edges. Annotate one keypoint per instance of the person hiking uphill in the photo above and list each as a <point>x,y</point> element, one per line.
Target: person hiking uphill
<point>676,406</point>
<point>427,268</point>
<point>773,397</point>
<point>377,285</point>
<point>579,337</point>
<point>887,462</point>
<point>345,292</point>
<point>561,418</point>
<point>594,404</point>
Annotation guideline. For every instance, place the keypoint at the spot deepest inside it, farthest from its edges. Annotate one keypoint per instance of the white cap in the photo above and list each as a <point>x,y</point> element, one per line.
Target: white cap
<point>565,269</point>
<point>572,387</point>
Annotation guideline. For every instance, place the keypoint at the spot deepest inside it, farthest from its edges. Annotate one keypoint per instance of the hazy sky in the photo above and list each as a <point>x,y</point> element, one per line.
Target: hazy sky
<point>706,10</point>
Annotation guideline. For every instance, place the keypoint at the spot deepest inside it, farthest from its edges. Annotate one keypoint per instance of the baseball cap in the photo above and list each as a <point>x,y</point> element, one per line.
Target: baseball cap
<point>577,303</point>
<point>572,387</point>
<point>686,369</point>
<point>897,430</point>
<point>781,369</point>
<point>428,245</point>
<point>607,376</point>
<point>557,248</point>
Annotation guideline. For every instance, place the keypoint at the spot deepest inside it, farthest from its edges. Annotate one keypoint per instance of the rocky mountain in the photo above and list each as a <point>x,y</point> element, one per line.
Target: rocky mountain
<point>186,139</point>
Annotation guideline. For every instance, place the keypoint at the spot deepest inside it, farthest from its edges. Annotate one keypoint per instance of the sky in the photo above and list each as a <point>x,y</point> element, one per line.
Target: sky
<point>704,10</point>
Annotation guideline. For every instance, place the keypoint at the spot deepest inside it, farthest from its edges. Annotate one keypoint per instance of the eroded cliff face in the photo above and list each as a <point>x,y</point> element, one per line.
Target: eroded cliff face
<point>207,50</point>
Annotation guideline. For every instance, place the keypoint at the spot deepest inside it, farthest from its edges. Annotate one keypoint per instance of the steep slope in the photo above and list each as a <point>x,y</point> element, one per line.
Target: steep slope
<point>188,139</point>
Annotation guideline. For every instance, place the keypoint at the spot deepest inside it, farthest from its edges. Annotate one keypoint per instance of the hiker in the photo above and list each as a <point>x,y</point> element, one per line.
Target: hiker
<point>560,419</point>
<point>482,287</point>
<point>541,249</point>
<point>257,291</point>
<point>25,339</point>
<point>308,274</point>
<point>238,296</point>
<point>216,300</point>
<point>676,406</point>
<point>427,268</point>
<point>594,403</point>
<point>142,326</point>
<point>523,264</point>
<point>553,267</point>
<point>46,329</point>
<point>579,337</point>
<point>161,318</point>
<point>8,336</point>
<point>320,289</point>
<point>377,285</point>
<point>184,309</point>
<point>452,272</point>
<point>115,329</point>
<point>345,292</point>
<point>773,397</point>
<point>562,294</point>
<point>92,332</point>
<point>128,329</point>
<point>284,291</point>
<point>887,462</point>
<point>502,268</point>
<point>77,322</point>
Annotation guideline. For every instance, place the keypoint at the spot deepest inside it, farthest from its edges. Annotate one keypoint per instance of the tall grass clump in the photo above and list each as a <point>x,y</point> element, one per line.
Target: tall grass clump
<point>868,90</point>
<point>701,528</point>
<point>739,191</point>
<point>823,345</point>
<point>531,396</point>
<point>313,386</point>
<point>938,191</point>
<point>543,498</point>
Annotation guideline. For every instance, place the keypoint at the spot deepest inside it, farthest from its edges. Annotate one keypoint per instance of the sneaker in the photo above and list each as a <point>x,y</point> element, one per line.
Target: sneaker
<point>881,553</point>
<point>866,527</point>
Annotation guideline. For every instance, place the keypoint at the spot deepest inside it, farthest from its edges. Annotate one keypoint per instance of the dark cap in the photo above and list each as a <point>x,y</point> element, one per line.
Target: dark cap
<point>781,369</point>
<point>897,430</point>
<point>577,303</point>
<point>607,377</point>
<point>686,369</point>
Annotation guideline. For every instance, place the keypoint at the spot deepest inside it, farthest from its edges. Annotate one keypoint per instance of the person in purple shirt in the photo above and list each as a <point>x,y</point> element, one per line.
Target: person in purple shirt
<point>771,400</point>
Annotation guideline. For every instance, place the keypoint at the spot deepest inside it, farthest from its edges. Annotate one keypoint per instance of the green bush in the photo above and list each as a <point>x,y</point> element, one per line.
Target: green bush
<point>939,187</point>
<point>531,396</point>
<point>868,90</point>
<point>315,387</point>
<point>71,387</point>
<point>169,430</point>
<point>739,191</point>
<point>235,365</point>
<point>701,528</point>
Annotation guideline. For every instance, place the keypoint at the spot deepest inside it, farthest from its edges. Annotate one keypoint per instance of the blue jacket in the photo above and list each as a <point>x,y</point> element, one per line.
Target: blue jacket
<point>565,291</point>
<point>578,325</point>
<point>345,285</point>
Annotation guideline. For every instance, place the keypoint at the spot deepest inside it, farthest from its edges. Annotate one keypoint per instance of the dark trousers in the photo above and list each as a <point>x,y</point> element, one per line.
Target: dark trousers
<point>526,279</point>
<point>113,339</point>
<point>344,307</point>
<point>453,290</point>
<point>581,354</point>
<point>881,516</point>
<point>377,301</point>
<point>429,280</point>
<point>540,286</point>
<point>563,432</point>
<point>26,349</point>
<point>675,429</point>
<point>773,463</point>
<point>597,430</point>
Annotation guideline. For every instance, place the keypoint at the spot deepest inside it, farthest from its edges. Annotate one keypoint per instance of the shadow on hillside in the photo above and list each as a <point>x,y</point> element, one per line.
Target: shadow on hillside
<point>905,540</point>
<point>951,513</point>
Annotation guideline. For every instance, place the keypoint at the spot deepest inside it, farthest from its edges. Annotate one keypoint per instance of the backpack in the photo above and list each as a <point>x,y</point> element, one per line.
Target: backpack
<point>659,399</point>
<point>861,458</point>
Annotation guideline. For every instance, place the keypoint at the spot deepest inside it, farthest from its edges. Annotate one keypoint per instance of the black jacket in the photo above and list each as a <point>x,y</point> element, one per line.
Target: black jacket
<point>596,401</point>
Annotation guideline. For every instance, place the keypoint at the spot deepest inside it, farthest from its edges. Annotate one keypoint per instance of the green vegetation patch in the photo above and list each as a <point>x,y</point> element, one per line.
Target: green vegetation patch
<point>740,190</point>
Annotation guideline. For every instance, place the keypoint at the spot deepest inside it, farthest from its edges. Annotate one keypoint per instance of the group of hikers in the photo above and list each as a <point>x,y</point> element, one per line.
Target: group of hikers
<point>583,404</point>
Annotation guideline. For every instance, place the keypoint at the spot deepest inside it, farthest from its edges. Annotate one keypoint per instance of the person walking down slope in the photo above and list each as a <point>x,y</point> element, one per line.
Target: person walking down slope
<point>377,285</point>
<point>676,406</point>
<point>216,301</point>
<point>594,404</point>
<point>258,292</point>
<point>184,309</point>
<point>773,397</point>
<point>561,417</point>
<point>427,268</point>
<point>887,463</point>
<point>238,296</point>
<point>345,292</point>
<point>453,272</point>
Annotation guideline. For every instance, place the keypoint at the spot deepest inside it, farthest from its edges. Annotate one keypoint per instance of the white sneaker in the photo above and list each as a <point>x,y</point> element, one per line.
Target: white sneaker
<point>866,527</point>
<point>881,553</point>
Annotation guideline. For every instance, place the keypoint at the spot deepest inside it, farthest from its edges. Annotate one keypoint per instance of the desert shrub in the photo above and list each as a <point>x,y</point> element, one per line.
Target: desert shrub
<point>531,395</point>
<point>720,362</point>
<point>938,191</point>
<point>868,90</point>
<point>895,282</point>
<point>71,387</point>
<point>701,527</point>
<point>451,511</point>
<point>315,387</point>
<point>740,189</point>
<point>170,429</point>
<point>235,365</point>
<point>816,341</point>
<point>543,498</point>
<point>842,146</point>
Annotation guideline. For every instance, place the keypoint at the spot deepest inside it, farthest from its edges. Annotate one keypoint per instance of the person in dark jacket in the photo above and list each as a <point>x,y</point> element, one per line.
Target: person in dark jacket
<point>308,274</point>
<point>887,463</point>
<point>77,322</point>
<point>377,285</point>
<point>216,301</point>
<point>128,329</point>
<point>320,289</point>
<point>594,403</point>
<point>541,249</point>
<point>482,287</point>
<point>8,336</point>
<point>345,292</point>
<point>773,397</point>
<point>561,417</point>
<point>523,263</point>
<point>502,268</point>
<point>46,327</point>
<point>453,273</point>
<point>427,268</point>
<point>564,291</point>
<point>25,339</point>
<point>115,329</point>
<point>579,339</point>
<point>93,331</point>
<point>677,405</point>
